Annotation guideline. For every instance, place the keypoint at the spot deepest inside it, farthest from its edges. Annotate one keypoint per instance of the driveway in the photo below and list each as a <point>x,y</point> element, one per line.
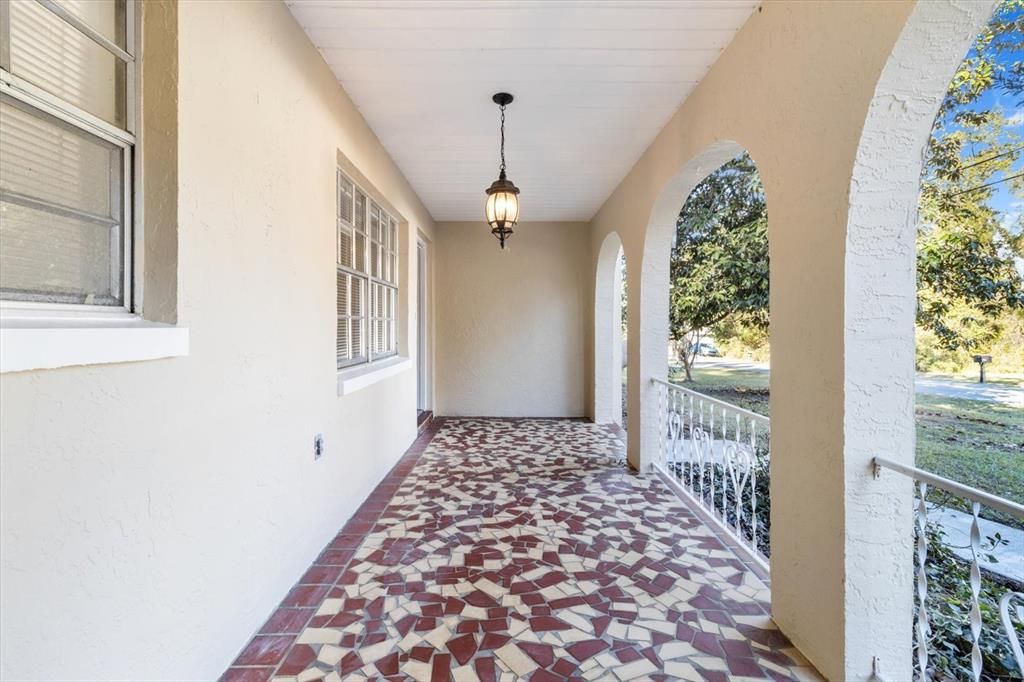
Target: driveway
<point>993,393</point>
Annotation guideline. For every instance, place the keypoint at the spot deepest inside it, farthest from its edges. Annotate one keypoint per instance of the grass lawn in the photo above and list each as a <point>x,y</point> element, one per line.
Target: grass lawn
<point>977,443</point>
<point>746,388</point>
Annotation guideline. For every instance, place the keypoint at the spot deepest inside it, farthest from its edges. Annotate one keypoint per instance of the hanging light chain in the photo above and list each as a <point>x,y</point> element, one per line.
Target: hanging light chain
<point>502,140</point>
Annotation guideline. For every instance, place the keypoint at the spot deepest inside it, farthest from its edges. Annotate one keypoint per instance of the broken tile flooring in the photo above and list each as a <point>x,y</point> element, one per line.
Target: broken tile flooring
<point>522,549</point>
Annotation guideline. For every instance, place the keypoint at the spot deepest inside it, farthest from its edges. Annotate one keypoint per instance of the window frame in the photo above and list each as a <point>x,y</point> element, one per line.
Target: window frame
<point>386,249</point>
<point>127,139</point>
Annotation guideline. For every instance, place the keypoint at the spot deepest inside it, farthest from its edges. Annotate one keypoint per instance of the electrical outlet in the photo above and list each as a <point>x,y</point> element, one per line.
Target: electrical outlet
<point>318,446</point>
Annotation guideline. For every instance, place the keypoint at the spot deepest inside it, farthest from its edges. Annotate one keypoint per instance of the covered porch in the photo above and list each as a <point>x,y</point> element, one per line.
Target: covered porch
<point>222,467</point>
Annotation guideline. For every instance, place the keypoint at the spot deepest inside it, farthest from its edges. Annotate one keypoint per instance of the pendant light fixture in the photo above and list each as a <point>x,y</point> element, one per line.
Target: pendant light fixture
<point>502,209</point>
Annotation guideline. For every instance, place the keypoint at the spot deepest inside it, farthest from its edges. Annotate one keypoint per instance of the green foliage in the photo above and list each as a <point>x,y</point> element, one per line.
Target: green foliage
<point>948,608</point>
<point>719,261</point>
<point>967,251</point>
<point>738,337</point>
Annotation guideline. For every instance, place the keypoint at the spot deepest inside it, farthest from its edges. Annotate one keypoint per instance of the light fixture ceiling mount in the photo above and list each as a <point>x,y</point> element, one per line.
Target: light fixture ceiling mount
<point>502,208</point>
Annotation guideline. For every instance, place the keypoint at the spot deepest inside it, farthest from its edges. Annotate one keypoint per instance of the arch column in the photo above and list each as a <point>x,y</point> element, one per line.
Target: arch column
<point>880,296</point>
<point>608,333</point>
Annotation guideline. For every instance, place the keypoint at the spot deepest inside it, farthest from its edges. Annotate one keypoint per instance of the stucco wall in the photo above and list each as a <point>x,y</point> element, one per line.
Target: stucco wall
<point>794,88</point>
<point>154,513</point>
<point>510,324</point>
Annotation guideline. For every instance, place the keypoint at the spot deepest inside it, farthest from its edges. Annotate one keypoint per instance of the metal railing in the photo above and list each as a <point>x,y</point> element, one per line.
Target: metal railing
<point>716,455</point>
<point>1010,605</point>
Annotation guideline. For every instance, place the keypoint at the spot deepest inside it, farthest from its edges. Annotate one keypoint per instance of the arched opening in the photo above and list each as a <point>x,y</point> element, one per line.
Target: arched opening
<point>649,338</point>
<point>609,333</point>
<point>713,410</point>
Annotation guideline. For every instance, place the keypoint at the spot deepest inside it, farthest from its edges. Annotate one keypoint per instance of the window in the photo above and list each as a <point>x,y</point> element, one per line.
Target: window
<point>67,141</point>
<point>367,277</point>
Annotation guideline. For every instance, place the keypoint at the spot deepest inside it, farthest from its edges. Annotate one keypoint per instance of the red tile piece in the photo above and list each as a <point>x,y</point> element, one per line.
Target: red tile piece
<point>581,651</point>
<point>297,660</point>
<point>541,653</point>
<point>265,650</point>
<point>485,669</point>
<point>247,675</point>
<point>546,623</point>
<point>287,620</point>
<point>441,668</point>
<point>388,665</point>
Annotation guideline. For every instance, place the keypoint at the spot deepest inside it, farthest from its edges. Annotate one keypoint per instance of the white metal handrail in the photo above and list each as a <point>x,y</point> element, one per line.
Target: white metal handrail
<point>967,492</point>
<point>977,498</point>
<point>759,418</point>
<point>713,453</point>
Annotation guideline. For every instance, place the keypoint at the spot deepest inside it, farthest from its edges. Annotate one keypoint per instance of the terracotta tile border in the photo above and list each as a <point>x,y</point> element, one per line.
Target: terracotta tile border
<point>270,649</point>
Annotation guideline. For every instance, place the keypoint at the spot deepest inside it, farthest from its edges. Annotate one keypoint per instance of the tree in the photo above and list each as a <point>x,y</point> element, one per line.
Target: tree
<point>719,261</point>
<point>968,252</point>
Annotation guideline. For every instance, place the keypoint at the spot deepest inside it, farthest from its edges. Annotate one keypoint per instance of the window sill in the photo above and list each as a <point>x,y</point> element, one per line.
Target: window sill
<point>352,379</point>
<point>47,343</point>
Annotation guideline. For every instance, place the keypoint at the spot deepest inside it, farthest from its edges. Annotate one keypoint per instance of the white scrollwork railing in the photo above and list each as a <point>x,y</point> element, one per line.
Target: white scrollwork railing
<point>1010,604</point>
<point>717,455</point>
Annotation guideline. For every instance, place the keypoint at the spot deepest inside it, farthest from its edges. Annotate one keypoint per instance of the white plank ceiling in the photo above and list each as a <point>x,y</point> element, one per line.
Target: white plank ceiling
<point>594,81</point>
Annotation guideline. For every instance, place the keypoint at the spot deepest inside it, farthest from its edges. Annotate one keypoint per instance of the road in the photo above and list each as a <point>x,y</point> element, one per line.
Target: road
<point>993,393</point>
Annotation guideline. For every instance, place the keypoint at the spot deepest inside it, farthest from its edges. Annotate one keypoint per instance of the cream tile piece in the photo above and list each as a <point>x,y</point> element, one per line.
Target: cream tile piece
<point>682,671</point>
<point>319,636</point>
<point>617,630</point>
<point>439,636</point>
<point>465,673</point>
<point>329,607</point>
<point>638,668</point>
<point>658,626</point>
<point>474,613</point>
<point>516,626</point>
<point>417,670</point>
<point>310,674</point>
<point>377,651</point>
<point>331,655</point>
<point>516,659</point>
<point>638,634</point>
<point>579,622</point>
<point>670,650</point>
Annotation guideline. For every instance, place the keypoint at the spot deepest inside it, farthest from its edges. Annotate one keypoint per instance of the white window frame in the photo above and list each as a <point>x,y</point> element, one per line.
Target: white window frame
<point>39,335</point>
<point>29,94</point>
<point>386,262</point>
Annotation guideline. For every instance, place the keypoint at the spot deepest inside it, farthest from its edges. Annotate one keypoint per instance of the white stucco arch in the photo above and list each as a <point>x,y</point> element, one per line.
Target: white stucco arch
<point>608,333</point>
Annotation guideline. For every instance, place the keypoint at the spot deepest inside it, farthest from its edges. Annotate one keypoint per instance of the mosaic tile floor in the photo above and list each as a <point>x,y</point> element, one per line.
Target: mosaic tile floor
<point>522,550</point>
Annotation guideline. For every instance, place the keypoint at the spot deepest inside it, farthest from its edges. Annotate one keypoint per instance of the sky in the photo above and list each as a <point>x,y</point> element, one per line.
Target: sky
<point>1003,199</point>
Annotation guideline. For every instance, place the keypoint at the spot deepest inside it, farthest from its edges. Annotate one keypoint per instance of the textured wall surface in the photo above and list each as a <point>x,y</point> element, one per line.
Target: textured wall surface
<point>607,320</point>
<point>795,88</point>
<point>154,513</point>
<point>510,325</point>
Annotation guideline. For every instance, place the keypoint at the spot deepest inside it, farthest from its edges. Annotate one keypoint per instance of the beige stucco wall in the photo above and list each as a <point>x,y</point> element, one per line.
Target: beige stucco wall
<point>154,513</point>
<point>795,88</point>
<point>510,324</point>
